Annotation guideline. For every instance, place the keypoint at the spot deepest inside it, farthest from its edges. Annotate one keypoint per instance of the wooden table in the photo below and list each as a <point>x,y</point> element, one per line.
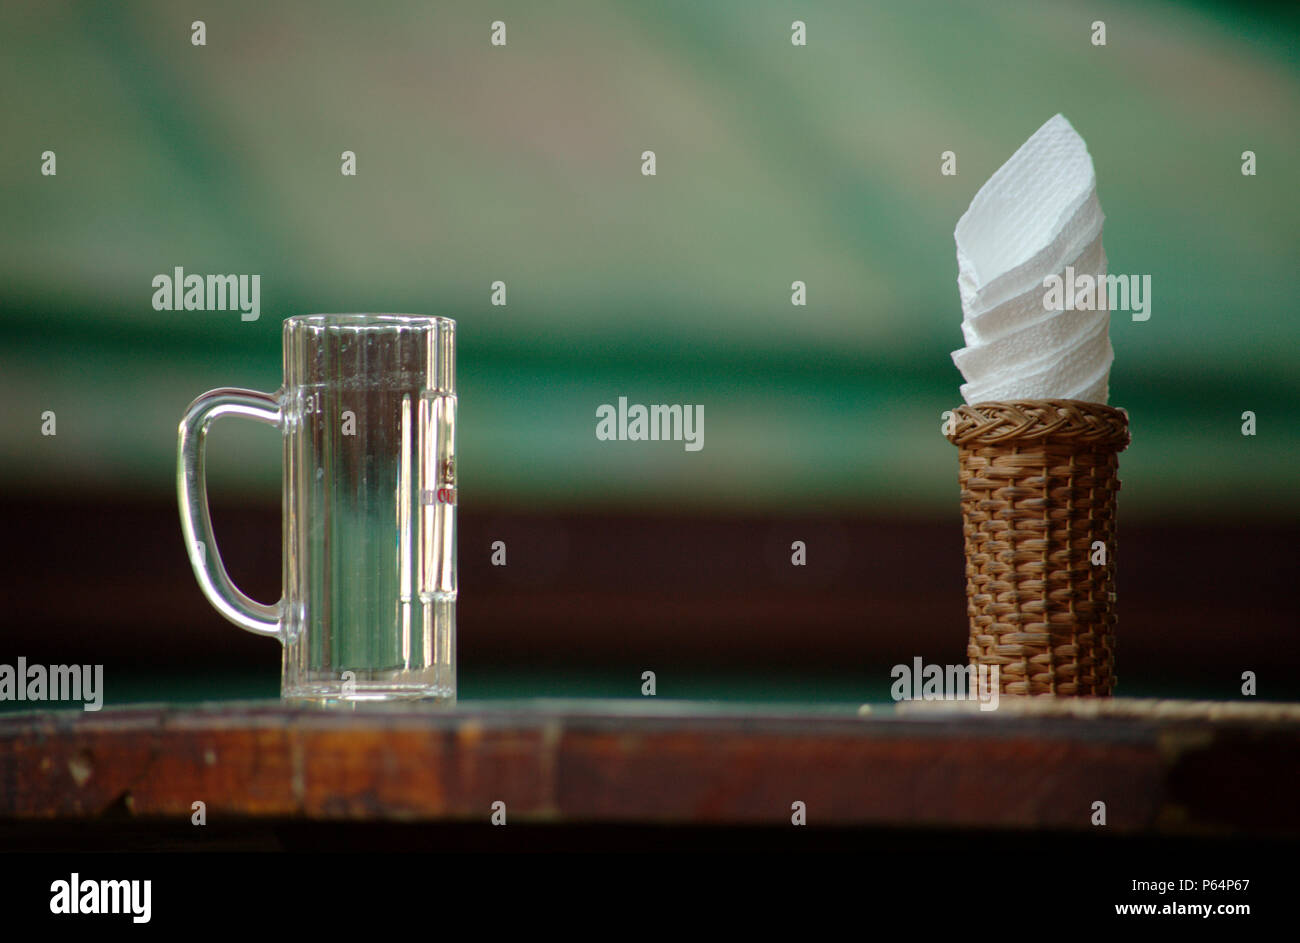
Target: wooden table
<point>1162,768</point>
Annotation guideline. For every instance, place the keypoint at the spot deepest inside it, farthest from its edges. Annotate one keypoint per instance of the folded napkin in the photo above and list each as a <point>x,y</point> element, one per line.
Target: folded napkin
<point>1037,216</point>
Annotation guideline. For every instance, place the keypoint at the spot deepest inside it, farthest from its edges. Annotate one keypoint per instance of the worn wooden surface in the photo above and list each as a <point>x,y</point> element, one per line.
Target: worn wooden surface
<point>1180,769</point>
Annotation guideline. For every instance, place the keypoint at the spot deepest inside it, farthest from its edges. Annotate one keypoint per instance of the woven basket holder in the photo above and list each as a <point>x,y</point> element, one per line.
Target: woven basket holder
<point>1039,480</point>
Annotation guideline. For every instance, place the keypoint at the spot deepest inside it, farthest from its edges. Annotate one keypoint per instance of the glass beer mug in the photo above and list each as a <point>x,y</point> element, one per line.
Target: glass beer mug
<point>368,417</point>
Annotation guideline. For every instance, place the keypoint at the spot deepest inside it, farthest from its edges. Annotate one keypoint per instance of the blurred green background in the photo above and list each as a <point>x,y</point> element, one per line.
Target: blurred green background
<point>522,163</point>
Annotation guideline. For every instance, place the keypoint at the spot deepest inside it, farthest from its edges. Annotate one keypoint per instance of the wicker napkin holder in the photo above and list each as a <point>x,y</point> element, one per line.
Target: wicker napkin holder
<point>1039,481</point>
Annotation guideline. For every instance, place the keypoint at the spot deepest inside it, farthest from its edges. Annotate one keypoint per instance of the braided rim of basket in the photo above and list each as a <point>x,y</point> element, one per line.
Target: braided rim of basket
<point>1065,421</point>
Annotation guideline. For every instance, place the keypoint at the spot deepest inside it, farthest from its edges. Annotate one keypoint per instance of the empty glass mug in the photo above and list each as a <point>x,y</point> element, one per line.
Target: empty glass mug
<point>368,417</point>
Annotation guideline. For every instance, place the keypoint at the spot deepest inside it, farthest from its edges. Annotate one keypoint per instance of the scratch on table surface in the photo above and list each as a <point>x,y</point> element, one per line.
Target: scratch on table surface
<point>298,765</point>
<point>469,733</point>
<point>552,734</point>
<point>1173,743</point>
<point>80,768</point>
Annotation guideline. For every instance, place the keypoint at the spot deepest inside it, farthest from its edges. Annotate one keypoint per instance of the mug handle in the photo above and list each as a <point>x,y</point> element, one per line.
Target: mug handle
<point>192,491</point>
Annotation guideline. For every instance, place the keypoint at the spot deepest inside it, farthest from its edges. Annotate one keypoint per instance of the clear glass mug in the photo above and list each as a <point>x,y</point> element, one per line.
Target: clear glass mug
<point>368,417</point>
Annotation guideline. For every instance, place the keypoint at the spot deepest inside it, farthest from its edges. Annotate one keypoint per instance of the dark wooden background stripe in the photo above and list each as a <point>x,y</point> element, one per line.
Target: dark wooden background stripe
<point>102,581</point>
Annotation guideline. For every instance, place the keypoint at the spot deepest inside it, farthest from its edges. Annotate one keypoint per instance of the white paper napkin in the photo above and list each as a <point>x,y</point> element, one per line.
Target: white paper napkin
<point>1037,216</point>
